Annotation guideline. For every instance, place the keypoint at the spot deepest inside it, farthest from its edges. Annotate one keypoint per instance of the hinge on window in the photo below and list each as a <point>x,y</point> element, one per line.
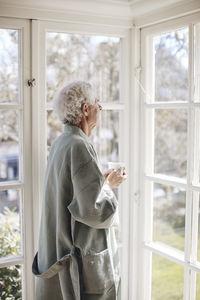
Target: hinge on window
<point>32,82</point>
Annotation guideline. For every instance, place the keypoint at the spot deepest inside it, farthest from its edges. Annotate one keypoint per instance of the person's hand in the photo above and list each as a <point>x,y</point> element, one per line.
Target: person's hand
<point>107,173</point>
<point>114,179</point>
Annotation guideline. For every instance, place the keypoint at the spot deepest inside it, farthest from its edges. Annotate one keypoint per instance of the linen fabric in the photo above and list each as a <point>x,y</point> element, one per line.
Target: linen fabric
<point>77,257</point>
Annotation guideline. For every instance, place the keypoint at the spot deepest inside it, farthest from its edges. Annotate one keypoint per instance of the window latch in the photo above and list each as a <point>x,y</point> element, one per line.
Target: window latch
<point>32,82</point>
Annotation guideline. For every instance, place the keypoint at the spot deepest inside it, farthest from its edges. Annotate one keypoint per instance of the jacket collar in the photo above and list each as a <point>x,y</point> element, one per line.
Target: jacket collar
<point>72,129</point>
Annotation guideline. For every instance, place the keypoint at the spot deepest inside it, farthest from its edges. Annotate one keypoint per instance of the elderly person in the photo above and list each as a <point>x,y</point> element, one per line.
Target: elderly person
<point>77,256</point>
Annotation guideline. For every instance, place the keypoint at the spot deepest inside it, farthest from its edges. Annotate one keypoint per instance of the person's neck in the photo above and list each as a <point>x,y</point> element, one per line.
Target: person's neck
<point>84,126</point>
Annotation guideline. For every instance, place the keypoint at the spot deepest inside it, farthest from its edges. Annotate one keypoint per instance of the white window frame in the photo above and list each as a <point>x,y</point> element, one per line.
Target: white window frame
<point>39,28</point>
<point>25,184</point>
<point>145,244</point>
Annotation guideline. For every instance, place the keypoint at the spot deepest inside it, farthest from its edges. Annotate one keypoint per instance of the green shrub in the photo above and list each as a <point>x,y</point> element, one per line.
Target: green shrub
<point>10,277</point>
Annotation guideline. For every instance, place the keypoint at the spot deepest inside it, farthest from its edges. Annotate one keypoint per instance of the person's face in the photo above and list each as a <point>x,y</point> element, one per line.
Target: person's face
<point>93,113</point>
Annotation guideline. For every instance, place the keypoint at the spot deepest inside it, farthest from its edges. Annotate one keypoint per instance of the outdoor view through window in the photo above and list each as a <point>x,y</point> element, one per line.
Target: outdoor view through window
<point>10,162</point>
<point>171,84</point>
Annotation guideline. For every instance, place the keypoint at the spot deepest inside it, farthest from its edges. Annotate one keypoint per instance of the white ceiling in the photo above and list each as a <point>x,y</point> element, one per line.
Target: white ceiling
<point>135,11</point>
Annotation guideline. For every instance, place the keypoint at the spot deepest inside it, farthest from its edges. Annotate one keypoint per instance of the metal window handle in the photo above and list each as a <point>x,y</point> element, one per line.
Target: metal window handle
<point>32,82</point>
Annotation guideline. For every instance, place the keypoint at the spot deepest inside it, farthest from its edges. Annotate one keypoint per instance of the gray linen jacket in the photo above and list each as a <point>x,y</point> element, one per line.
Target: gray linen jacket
<point>77,257</point>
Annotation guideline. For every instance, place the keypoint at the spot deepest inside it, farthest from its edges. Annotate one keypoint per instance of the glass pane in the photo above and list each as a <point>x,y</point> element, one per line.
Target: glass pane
<point>11,283</point>
<point>9,145</point>
<point>167,279</point>
<point>9,65</point>
<point>197,63</point>
<point>10,223</point>
<point>169,215</point>
<point>170,142</point>
<point>105,137</point>
<point>92,58</point>
<point>198,287</point>
<point>171,66</point>
<point>196,156</point>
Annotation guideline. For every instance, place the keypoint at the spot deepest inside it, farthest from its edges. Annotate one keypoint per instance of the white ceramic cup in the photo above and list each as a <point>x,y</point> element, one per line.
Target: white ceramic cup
<point>116,165</point>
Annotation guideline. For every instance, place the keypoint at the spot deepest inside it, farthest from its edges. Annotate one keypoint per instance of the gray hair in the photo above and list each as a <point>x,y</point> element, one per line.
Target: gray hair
<point>67,102</point>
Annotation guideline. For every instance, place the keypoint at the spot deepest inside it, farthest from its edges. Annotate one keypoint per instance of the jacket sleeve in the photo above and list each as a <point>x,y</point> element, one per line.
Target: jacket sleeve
<point>93,203</point>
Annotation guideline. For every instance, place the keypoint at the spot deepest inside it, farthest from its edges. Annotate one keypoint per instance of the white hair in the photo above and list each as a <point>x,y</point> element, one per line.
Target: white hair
<point>67,102</point>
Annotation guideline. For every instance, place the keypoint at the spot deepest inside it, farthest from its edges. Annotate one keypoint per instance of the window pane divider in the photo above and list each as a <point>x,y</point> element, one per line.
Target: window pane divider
<point>168,180</point>
<point>11,261</point>
<point>195,188</point>
<point>173,105</point>
<point>11,106</point>
<point>195,267</point>
<point>166,251</point>
<point>11,185</point>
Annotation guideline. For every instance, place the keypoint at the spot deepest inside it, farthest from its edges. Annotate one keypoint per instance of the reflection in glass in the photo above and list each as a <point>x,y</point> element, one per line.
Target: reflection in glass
<point>11,283</point>
<point>169,215</point>
<point>170,142</point>
<point>92,58</point>
<point>9,73</point>
<point>9,145</point>
<point>10,223</point>
<point>171,66</point>
<point>167,279</point>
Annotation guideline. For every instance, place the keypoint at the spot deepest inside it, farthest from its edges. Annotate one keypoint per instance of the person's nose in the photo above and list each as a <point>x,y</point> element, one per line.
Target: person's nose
<point>100,107</point>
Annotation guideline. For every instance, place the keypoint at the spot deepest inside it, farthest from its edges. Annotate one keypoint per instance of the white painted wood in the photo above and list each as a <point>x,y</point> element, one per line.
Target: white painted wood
<point>67,15</point>
<point>176,23</point>
<point>188,283</point>
<point>134,157</point>
<point>168,180</point>
<point>11,106</point>
<point>167,252</point>
<point>8,185</point>
<point>170,13</point>
<point>124,146</point>
<point>11,261</point>
<point>25,182</point>
<point>147,116</point>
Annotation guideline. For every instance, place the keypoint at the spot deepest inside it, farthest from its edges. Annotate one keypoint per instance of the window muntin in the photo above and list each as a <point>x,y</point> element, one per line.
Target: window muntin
<point>171,66</point>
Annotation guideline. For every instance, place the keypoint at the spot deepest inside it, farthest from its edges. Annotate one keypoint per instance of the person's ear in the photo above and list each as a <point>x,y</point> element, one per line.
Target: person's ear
<point>84,109</point>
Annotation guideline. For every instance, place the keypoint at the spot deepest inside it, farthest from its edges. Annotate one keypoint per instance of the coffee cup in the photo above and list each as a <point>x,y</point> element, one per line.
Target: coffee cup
<point>116,165</point>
